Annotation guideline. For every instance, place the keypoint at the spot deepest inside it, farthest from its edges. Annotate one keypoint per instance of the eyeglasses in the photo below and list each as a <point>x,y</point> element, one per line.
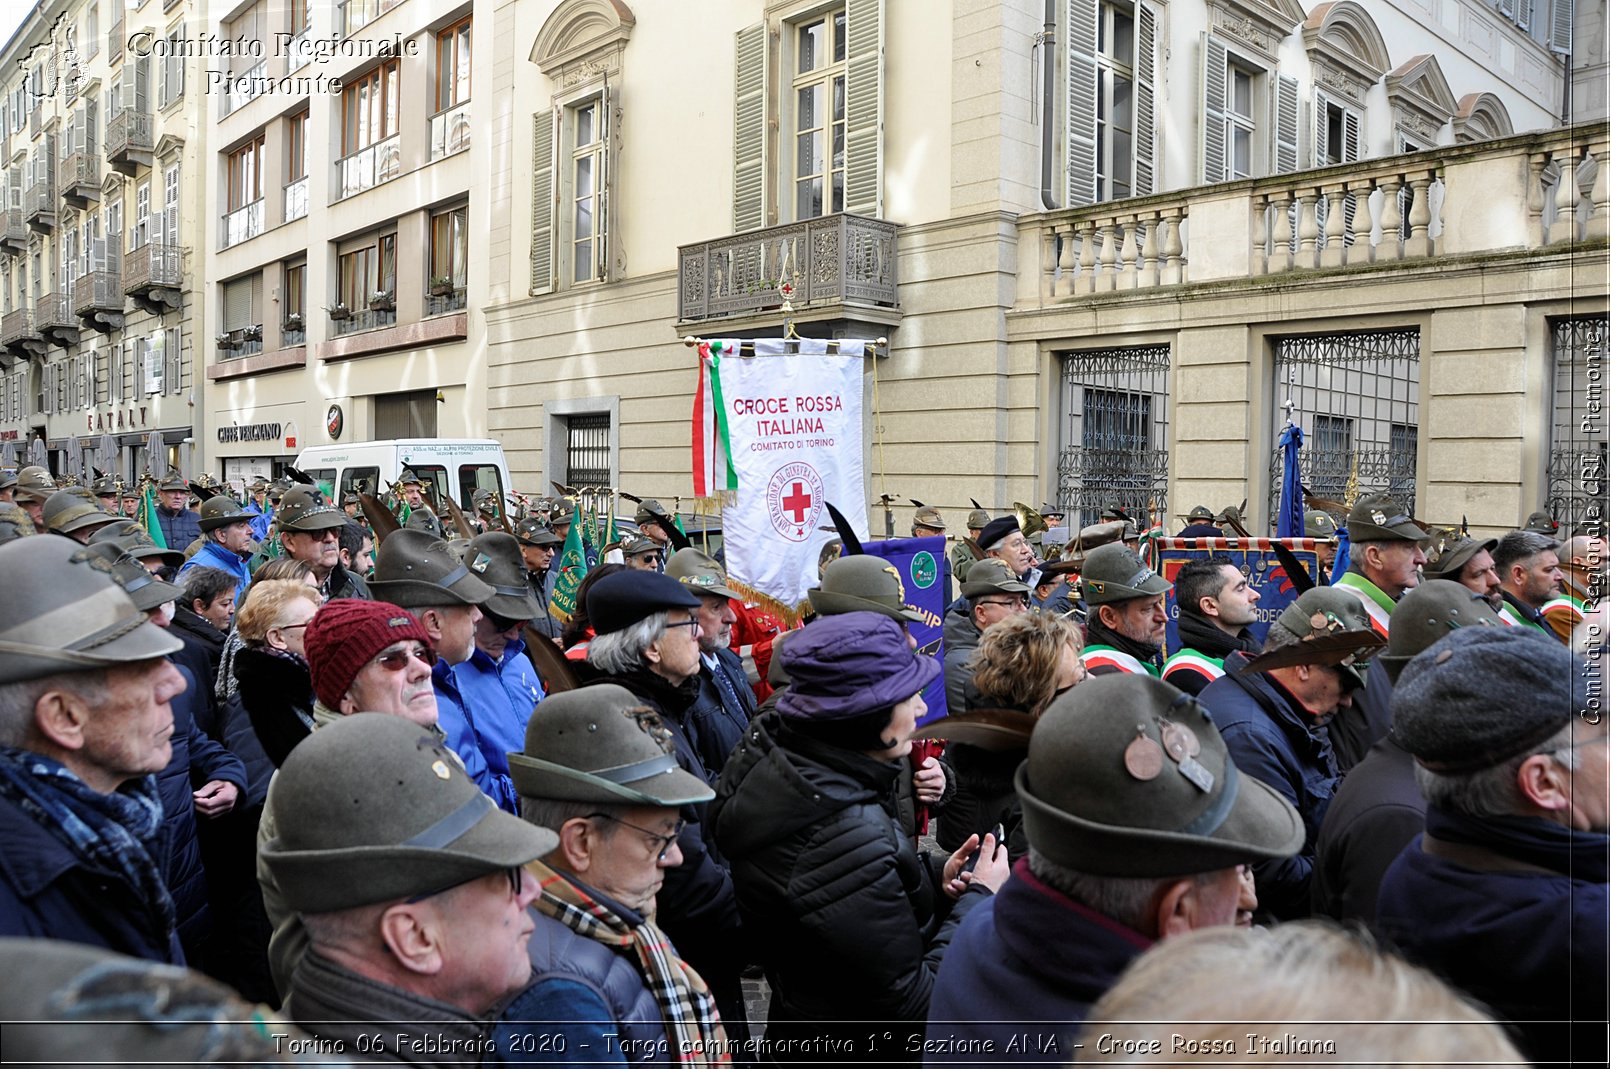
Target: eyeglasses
<point>1014,603</point>
<point>684,623</point>
<point>516,875</point>
<point>662,842</point>
<point>397,660</point>
<point>292,627</point>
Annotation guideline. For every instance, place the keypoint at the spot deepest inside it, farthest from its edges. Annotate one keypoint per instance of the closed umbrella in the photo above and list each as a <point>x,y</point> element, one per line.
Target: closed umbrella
<point>156,455</point>
<point>106,453</point>
<point>36,452</point>
<point>75,459</point>
<point>8,455</point>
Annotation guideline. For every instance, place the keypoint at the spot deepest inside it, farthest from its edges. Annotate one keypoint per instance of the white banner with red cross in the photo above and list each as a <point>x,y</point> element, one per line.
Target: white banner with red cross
<point>791,424</point>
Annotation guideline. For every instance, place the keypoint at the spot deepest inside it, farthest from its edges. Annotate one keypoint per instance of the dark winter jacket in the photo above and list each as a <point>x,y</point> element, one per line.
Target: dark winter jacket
<point>342,583</point>
<point>196,760</point>
<point>696,906</point>
<point>614,998</point>
<point>1273,740</point>
<point>197,633</point>
<point>984,795</point>
<point>276,691</point>
<point>962,637</point>
<point>179,529</point>
<point>850,921</point>
<point>46,892</point>
<point>1355,730</point>
<point>1030,962</point>
<point>1376,812</point>
<point>1523,925</point>
<point>718,716</point>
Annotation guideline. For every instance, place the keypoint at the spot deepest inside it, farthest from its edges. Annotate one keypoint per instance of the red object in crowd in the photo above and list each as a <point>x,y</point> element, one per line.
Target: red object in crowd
<point>752,636</point>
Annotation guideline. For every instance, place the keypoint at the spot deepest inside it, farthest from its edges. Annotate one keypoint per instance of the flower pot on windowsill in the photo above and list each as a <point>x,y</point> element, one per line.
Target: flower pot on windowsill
<point>340,312</point>
<point>441,289</point>
<point>293,323</point>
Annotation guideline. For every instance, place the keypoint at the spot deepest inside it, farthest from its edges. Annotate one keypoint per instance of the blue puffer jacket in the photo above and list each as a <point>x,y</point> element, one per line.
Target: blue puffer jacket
<point>1275,742</point>
<point>196,760</point>
<point>613,998</point>
<point>1521,923</point>
<point>179,529</point>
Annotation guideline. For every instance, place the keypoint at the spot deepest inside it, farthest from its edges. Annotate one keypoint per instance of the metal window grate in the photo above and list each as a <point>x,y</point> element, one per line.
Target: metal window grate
<point>1578,470</point>
<point>1115,452</point>
<point>587,453</point>
<point>1357,397</point>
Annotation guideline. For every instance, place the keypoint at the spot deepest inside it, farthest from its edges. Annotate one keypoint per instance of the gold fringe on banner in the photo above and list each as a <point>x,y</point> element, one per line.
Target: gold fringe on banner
<point>790,616</point>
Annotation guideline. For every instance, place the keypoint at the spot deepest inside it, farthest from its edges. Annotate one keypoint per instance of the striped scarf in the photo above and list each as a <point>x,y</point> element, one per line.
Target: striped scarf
<point>115,834</point>
<point>692,1025</point>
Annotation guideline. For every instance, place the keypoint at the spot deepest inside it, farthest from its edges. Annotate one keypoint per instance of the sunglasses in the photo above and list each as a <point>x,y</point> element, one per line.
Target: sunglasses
<point>662,843</point>
<point>397,660</point>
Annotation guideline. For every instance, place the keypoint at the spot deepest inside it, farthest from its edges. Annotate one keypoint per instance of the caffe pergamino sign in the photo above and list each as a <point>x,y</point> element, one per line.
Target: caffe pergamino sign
<point>250,432</point>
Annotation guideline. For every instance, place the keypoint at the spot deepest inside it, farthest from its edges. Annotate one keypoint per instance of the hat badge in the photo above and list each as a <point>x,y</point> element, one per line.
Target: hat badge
<point>481,563</point>
<point>1379,517</point>
<point>900,587</point>
<point>441,770</point>
<point>651,725</point>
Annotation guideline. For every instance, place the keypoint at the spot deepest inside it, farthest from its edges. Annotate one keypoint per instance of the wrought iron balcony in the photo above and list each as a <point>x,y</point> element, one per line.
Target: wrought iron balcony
<point>81,179</point>
<point>833,260</point>
<point>17,333</point>
<point>39,205</point>
<point>54,319</point>
<point>98,298</point>
<point>13,231</point>
<point>152,275</point>
<point>128,141</point>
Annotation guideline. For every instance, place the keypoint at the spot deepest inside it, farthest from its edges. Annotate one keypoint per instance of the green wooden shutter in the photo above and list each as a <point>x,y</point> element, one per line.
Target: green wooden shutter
<point>1214,75</point>
<point>749,130</point>
<point>543,125</point>
<point>1081,121</point>
<point>863,108</point>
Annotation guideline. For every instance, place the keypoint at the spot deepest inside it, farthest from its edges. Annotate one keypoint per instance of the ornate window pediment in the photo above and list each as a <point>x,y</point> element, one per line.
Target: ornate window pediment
<point>1421,99</point>
<point>1345,48</point>
<point>583,39</point>
<point>1481,117</point>
<point>1259,25</point>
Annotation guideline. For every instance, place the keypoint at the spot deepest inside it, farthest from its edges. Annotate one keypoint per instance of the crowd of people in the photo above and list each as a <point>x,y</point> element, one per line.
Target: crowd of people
<point>382,789</point>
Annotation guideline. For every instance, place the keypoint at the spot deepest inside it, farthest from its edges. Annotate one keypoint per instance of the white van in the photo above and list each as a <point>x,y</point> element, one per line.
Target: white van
<point>456,466</point>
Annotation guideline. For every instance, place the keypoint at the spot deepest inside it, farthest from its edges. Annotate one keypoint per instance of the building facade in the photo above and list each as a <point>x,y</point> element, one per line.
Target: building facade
<point>343,191</point>
<point>100,243</point>
<point>1107,241</point>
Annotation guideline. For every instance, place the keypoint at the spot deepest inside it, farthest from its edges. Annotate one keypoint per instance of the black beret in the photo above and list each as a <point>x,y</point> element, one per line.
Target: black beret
<point>1483,695</point>
<point>619,600</point>
<point>997,531</point>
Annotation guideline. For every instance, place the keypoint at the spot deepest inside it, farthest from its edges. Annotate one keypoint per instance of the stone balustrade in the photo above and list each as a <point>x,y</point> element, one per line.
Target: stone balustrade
<point>1534,191</point>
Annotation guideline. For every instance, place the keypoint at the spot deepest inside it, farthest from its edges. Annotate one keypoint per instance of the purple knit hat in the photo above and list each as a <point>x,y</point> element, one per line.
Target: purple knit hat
<point>849,665</point>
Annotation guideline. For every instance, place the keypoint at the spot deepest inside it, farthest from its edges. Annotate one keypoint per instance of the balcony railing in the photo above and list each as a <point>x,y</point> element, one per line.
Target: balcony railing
<point>153,265</point>
<point>368,167</point>
<point>836,258</point>
<point>246,341</point>
<point>454,300</point>
<point>39,207</point>
<point>1518,192</point>
<point>242,223</point>
<point>115,39</point>
<point>54,319</point>
<point>296,199</point>
<point>291,336</point>
<point>354,15</point>
<point>239,89</point>
<point>101,290</point>
<point>17,329</point>
<point>450,131</point>
<point>81,179</point>
<point>128,140</point>
<point>366,319</point>
<point>13,231</point>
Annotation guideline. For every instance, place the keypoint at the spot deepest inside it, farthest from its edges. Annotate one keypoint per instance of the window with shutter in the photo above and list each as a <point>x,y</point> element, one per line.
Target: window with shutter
<point>173,365</point>
<point>1286,109</point>
<point>749,130</point>
<point>1561,25</point>
<point>237,304</point>
<point>170,206</point>
<point>1336,131</point>
<point>1145,101</point>
<point>863,170</point>
<point>1215,64</point>
<point>149,351</point>
<point>584,219</point>
<point>543,205</point>
<point>1083,26</point>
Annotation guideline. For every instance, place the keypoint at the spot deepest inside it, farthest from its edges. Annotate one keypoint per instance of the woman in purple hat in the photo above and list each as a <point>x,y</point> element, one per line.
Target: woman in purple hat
<point>850,920</point>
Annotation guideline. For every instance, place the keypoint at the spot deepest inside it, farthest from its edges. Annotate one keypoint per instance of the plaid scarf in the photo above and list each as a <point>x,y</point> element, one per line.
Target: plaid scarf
<point>117,833</point>
<point>692,1025</point>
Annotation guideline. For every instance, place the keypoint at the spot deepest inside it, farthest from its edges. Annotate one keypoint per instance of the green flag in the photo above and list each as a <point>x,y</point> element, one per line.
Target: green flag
<point>148,517</point>
<point>572,565</point>
<point>676,518</point>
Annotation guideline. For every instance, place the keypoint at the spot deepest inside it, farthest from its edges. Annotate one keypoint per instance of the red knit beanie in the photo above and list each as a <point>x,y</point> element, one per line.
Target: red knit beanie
<point>347,634</point>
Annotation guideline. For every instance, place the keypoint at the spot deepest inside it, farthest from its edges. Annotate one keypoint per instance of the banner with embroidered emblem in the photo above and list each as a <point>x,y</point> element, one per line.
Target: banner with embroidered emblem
<point>922,568</point>
<point>1256,559</point>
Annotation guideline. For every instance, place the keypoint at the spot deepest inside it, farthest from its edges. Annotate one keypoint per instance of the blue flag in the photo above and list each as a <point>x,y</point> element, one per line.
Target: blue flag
<point>1289,524</point>
<point>924,576</point>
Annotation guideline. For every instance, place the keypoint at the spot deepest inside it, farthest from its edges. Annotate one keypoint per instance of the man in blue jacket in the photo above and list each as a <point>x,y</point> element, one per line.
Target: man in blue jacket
<point>1139,826</point>
<point>226,541</point>
<point>85,723</point>
<point>1272,712</point>
<point>497,684</point>
<point>1507,893</point>
<point>178,524</point>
